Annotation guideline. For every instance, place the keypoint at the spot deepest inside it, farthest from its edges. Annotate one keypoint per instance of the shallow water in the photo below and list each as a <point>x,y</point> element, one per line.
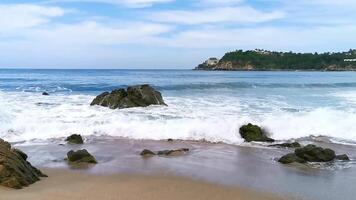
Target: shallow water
<point>251,166</point>
<point>202,105</point>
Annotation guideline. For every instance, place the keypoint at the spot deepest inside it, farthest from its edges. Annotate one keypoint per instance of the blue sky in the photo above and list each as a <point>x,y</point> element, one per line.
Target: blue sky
<point>165,33</point>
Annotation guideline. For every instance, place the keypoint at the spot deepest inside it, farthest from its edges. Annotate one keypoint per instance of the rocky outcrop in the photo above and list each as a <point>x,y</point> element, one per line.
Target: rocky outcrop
<point>45,93</point>
<point>74,139</point>
<point>252,132</point>
<point>311,153</point>
<point>15,171</point>
<point>286,145</point>
<point>134,96</point>
<point>80,156</point>
<point>175,152</point>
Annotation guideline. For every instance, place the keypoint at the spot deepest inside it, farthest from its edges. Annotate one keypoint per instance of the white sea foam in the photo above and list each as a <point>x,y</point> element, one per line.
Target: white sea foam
<point>26,116</point>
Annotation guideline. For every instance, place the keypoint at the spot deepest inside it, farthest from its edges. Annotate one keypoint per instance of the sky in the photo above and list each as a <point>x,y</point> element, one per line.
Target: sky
<point>165,34</point>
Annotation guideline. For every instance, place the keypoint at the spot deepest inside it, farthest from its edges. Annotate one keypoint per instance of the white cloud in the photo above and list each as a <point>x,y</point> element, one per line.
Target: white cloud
<point>91,33</point>
<point>242,14</point>
<point>273,38</point>
<point>15,16</point>
<point>128,3</point>
<point>219,2</point>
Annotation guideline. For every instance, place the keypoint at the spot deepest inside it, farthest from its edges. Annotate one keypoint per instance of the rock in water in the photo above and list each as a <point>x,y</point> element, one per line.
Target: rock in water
<point>312,153</point>
<point>342,157</point>
<point>45,93</point>
<point>74,139</point>
<point>291,158</point>
<point>134,96</point>
<point>80,156</point>
<point>15,171</point>
<point>287,145</point>
<point>147,152</point>
<point>252,132</point>
<point>176,152</point>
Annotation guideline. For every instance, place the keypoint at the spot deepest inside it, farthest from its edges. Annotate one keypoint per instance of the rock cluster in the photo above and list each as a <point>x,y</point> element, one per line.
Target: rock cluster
<point>133,96</point>
<point>15,171</point>
<point>311,153</point>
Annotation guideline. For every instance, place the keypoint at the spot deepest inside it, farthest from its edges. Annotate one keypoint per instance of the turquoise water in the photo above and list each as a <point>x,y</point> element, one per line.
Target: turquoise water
<point>202,105</point>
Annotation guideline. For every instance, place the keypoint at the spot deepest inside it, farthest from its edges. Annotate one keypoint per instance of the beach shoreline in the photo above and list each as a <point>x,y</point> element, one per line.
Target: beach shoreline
<point>251,167</point>
<point>77,185</point>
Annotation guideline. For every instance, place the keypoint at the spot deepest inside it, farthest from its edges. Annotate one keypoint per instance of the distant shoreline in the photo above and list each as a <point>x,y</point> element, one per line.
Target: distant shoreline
<point>274,70</point>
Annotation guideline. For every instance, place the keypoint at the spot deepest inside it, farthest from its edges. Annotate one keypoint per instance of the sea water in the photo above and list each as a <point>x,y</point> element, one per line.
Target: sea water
<point>202,105</point>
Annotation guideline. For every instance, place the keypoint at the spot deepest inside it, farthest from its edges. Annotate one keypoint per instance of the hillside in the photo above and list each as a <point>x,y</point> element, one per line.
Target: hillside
<point>263,60</point>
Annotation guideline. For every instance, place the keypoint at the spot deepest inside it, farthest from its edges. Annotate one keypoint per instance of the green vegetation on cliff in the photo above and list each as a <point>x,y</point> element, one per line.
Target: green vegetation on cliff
<point>271,60</point>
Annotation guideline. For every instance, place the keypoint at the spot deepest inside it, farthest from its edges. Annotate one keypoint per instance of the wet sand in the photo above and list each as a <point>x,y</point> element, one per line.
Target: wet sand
<point>78,185</point>
<point>252,167</point>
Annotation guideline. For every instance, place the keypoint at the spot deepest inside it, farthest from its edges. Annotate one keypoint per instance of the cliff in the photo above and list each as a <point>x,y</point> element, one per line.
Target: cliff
<point>261,60</point>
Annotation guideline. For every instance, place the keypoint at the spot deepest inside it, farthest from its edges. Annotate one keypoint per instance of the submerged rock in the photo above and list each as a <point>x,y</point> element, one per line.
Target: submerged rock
<point>75,139</point>
<point>342,157</point>
<point>252,132</point>
<point>45,93</point>
<point>15,171</point>
<point>80,156</point>
<point>147,152</point>
<point>286,145</point>
<point>175,152</point>
<point>134,96</point>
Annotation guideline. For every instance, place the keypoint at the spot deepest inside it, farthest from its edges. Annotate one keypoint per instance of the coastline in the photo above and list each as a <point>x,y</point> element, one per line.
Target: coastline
<point>251,167</point>
<point>76,185</point>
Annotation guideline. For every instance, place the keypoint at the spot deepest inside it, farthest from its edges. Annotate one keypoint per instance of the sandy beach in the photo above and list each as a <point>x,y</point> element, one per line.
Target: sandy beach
<point>78,185</point>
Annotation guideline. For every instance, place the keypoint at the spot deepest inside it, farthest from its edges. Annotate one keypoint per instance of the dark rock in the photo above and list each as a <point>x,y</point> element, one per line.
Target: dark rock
<point>147,152</point>
<point>287,145</point>
<point>45,93</point>
<point>312,153</point>
<point>170,140</point>
<point>75,139</point>
<point>252,132</point>
<point>291,158</point>
<point>15,171</point>
<point>342,157</point>
<point>134,96</point>
<point>80,156</point>
<point>176,152</point>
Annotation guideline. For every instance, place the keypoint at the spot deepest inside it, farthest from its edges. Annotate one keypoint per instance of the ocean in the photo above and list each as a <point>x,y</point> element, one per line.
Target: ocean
<point>202,105</point>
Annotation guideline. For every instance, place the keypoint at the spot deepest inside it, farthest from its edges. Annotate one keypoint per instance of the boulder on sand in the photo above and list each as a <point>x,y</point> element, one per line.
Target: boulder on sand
<point>80,156</point>
<point>133,96</point>
<point>74,139</point>
<point>15,171</point>
<point>252,132</point>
